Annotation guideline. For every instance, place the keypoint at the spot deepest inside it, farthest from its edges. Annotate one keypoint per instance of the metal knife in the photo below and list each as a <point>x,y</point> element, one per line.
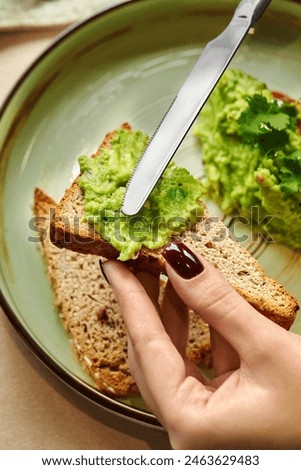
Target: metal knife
<point>187,104</point>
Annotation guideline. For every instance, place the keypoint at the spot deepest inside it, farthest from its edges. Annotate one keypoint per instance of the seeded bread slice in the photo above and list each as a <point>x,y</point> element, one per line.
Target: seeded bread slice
<point>91,315</point>
<point>210,237</point>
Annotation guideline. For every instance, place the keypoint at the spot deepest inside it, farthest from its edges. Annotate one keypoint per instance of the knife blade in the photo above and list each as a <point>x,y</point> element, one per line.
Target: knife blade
<point>187,104</point>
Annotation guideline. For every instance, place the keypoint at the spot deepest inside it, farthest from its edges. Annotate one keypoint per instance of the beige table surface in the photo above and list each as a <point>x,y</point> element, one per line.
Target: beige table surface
<point>37,410</point>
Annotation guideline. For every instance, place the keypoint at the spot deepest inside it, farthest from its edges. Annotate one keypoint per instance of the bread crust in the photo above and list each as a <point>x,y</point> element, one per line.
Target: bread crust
<point>234,262</point>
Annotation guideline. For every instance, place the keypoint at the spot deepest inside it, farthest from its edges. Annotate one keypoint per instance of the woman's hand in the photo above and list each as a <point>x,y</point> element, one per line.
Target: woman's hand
<point>254,400</point>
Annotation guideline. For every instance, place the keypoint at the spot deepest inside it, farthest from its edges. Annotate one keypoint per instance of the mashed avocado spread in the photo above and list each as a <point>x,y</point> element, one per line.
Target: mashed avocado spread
<point>171,208</point>
<point>252,155</point>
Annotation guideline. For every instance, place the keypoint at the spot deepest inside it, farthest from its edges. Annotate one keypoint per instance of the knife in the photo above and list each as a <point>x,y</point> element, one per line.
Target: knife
<point>187,104</point>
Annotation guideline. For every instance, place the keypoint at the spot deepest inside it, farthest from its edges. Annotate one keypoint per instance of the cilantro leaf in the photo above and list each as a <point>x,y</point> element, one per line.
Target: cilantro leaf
<point>267,123</point>
<point>279,121</point>
<point>258,104</point>
<point>272,139</point>
<point>290,173</point>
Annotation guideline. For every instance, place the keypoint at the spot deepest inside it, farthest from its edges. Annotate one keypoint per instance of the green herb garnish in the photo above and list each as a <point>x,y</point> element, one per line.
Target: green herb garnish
<point>267,124</point>
<point>291,173</point>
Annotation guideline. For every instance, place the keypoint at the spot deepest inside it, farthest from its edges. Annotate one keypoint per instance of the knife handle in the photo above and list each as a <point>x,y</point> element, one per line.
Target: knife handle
<point>251,10</point>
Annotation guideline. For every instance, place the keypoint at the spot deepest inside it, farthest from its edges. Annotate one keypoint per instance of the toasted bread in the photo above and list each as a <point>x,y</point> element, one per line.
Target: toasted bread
<point>234,262</point>
<point>92,317</point>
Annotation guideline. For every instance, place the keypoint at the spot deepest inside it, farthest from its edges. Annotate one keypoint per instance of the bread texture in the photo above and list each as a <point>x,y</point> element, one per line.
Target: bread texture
<point>91,314</point>
<point>210,237</point>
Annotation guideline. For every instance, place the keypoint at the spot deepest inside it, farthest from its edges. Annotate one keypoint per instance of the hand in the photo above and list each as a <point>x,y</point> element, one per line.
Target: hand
<point>254,400</point>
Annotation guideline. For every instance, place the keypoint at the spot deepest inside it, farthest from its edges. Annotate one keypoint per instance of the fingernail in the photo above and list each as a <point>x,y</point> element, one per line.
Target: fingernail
<point>182,260</point>
<point>103,271</point>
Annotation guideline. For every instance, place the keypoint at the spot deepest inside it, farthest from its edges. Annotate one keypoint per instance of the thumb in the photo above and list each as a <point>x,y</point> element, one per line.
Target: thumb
<point>206,292</point>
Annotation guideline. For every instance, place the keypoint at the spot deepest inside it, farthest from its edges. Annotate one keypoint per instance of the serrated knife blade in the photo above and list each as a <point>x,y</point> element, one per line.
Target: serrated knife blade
<point>187,104</point>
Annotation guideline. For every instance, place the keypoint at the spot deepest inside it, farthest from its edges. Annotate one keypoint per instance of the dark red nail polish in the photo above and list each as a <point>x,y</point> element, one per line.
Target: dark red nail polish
<point>182,260</point>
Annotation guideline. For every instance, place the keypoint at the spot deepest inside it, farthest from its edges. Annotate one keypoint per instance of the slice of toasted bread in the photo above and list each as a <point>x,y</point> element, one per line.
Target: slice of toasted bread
<point>210,237</point>
<point>91,315</point>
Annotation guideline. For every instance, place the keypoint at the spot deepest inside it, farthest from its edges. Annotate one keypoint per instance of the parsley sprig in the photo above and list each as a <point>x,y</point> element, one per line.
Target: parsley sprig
<point>267,123</point>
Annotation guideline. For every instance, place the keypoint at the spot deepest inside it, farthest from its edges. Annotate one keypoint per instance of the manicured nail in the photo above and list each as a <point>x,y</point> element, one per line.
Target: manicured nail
<point>182,260</point>
<point>103,271</point>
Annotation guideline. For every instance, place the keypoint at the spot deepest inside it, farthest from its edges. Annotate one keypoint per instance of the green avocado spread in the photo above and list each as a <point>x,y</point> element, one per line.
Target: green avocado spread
<point>251,145</point>
<point>170,209</point>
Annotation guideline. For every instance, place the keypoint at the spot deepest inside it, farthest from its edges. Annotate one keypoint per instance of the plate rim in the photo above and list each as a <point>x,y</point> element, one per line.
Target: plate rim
<point>113,405</point>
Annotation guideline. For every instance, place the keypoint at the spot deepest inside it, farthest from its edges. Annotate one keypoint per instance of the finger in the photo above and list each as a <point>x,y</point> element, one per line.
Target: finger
<point>161,365</point>
<point>138,375</point>
<point>208,294</point>
<point>224,357</point>
<point>151,284</point>
<point>175,318</point>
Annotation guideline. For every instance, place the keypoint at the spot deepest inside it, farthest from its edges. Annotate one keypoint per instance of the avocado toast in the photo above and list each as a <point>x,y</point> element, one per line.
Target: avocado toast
<point>71,229</point>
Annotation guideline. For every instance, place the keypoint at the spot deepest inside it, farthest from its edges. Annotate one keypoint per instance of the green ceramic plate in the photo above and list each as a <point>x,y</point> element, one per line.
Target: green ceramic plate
<point>124,64</point>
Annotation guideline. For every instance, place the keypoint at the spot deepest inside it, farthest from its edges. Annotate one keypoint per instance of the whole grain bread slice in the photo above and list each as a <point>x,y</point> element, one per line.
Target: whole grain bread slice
<point>210,237</point>
<point>91,314</point>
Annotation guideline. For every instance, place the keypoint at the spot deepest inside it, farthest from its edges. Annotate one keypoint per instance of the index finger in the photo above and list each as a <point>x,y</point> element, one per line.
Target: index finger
<point>162,366</point>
